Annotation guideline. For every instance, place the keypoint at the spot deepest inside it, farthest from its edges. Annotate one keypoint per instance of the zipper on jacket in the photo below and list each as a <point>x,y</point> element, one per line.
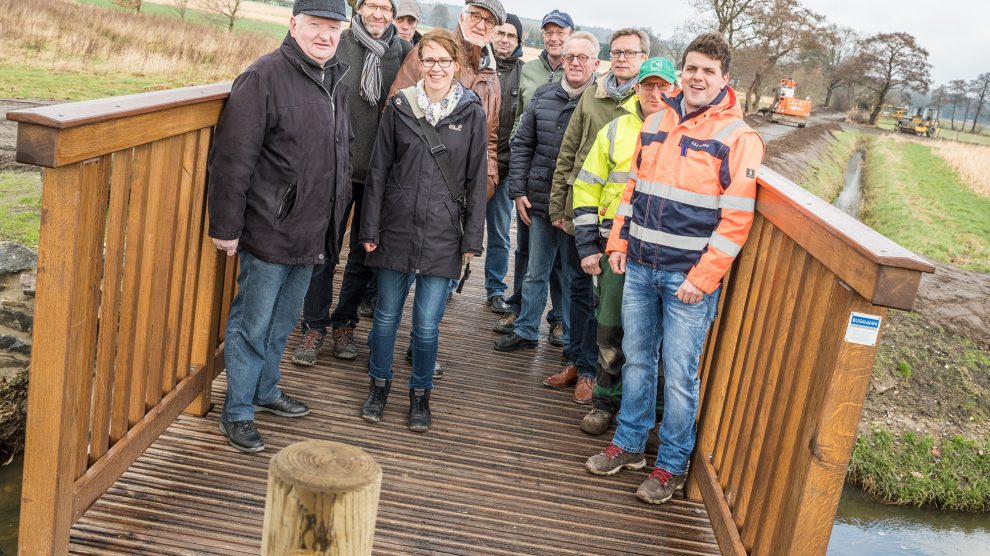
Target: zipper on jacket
<point>280,213</point>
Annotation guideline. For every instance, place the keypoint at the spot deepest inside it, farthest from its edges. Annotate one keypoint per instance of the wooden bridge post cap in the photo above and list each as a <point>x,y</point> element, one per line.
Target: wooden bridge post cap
<point>325,466</point>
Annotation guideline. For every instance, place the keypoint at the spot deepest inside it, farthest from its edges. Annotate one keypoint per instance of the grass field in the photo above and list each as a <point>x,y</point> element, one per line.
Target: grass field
<point>914,470</point>
<point>65,50</point>
<point>20,207</point>
<point>916,199</point>
<point>198,17</point>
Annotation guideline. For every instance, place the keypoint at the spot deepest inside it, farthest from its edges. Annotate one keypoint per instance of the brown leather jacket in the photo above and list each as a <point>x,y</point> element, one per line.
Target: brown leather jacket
<point>484,83</point>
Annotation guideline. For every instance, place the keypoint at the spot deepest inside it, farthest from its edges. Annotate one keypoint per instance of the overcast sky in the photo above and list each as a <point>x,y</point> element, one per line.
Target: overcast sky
<point>956,34</point>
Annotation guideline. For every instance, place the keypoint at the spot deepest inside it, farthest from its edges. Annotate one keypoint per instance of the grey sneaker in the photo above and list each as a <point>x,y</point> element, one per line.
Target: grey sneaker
<point>596,422</point>
<point>309,348</point>
<point>284,406</point>
<point>659,487</point>
<point>343,343</point>
<point>556,337</point>
<point>613,459</point>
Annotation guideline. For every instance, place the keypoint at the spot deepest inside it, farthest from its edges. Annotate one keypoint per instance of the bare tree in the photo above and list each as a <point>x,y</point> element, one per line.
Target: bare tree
<point>939,95</point>
<point>178,6</point>
<point>779,29</point>
<point>441,18</point>
<point>979,87</point>
<point>732,18</point>
<point>223,10</point>
<point>130,4</point>
<point>893,61</point>
<point>957,94</point>
<point>836,57</point>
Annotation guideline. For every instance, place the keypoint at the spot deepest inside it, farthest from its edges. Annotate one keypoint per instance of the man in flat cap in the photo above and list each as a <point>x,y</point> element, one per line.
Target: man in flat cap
<point>279,186</point>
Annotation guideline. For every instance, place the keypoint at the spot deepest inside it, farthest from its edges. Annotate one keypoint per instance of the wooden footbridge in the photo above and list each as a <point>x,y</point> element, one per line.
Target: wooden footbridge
<point>123,453</point>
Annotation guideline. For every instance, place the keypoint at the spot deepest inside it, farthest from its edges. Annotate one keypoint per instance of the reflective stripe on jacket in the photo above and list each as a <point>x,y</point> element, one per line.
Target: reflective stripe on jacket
<point>602,179</point>
<point>691,194</point>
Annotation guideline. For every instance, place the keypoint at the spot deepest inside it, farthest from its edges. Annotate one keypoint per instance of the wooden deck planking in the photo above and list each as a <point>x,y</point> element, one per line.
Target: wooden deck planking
<point>501,472</point>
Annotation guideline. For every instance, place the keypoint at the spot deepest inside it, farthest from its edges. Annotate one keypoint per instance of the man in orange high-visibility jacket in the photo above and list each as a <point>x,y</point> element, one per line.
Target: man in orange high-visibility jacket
<point>685,214</point>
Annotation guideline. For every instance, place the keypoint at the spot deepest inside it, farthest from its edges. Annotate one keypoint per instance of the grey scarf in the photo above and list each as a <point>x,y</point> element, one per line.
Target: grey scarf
<point>371,72</point>
<point>575,91</point>
<point>615,91</point>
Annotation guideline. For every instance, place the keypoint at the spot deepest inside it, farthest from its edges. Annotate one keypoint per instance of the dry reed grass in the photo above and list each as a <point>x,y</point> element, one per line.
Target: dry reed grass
<point>64,36</point>
<point>970,160</point>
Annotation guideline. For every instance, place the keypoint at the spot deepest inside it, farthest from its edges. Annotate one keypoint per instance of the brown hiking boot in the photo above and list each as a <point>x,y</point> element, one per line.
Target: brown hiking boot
<point>613,459</point>
<point>582,392</point>
<point>596,422</point>
<point>506,324</point>
<point>659,487</point>
<point>309,348</point>
<point>343,343</point>
<point>566,377</point>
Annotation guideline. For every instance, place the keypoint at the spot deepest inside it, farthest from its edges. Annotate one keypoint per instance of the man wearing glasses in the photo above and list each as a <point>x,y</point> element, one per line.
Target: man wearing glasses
<point>557,27</point>
<point>374,52</point>
<point>476,30</point>
<point>598,106</point>
<point>597,191</point>
<point>531,164</point>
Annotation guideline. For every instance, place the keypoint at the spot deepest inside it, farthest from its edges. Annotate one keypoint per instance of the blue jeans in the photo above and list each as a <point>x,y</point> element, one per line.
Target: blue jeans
<point>543,248</point>
<point>264,311</point>
<point>498,216</point>
<point>651,313</point>
<point>520,266</point>
<point>581,339</point>
<point>429,302</point>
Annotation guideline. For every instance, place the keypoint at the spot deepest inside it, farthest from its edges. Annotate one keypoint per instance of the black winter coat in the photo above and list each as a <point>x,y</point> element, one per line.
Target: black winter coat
<point>536,144</point>
<point>366,116</point>
<point>509,71</point>
<point>280,172</point>
<point>408,209</point>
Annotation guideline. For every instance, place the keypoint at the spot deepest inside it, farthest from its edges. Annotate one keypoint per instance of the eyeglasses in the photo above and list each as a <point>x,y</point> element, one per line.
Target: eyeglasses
<point>386,10</point>
<point>627,54</point>
<point>661,86</point>
<point>583,58</point>
<point>503,35</point>
<point>430,62</point>
<point>476,17</point>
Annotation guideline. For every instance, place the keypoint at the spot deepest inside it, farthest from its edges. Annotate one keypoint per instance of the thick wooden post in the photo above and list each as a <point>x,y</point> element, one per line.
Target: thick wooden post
<point>322,499</point>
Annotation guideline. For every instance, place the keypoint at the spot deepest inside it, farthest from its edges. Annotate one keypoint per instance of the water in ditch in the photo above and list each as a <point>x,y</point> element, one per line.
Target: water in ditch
<point>10,503</point>
<point>852,192</point>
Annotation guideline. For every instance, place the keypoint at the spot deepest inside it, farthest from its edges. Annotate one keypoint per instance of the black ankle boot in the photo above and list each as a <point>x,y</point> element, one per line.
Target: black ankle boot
<point>420,419</point>
<point>374,406</point>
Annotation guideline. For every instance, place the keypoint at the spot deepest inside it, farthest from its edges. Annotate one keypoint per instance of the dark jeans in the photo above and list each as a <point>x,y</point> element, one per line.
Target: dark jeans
<point>357,276</point>
<point>519,268</point>
<point>581,347</point>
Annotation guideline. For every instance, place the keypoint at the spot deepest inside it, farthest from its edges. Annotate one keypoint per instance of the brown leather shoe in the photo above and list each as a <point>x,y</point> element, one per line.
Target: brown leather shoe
<point>585,387</point>
<point>566,377</point>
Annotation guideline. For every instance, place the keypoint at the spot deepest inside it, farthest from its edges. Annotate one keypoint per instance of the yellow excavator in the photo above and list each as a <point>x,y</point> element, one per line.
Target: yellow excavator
<point>923,122</point>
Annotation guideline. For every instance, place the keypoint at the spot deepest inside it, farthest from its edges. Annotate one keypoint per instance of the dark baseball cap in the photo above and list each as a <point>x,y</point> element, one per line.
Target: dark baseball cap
<point>330,9</point>
<point>558,17</point>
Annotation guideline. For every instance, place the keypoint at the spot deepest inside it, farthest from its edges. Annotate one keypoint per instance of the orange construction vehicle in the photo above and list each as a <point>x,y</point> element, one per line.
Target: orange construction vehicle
<point>787,109</point>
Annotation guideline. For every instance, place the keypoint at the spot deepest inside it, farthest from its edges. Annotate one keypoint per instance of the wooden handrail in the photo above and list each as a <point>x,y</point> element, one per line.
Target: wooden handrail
<point>777,374</point>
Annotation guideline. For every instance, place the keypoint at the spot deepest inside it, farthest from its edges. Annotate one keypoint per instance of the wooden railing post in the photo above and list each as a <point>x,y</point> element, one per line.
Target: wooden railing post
<point>69,271</point>
<point>322,499</point>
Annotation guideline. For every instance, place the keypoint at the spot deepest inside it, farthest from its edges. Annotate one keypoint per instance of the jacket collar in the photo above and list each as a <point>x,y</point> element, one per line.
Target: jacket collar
<point>724,103</point>
<point>405,97</point>
<point>329,73</point>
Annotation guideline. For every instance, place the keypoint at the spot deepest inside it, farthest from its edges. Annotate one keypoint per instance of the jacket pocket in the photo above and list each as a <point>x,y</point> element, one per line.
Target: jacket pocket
<point>286,202</point>
<point>537,181</point>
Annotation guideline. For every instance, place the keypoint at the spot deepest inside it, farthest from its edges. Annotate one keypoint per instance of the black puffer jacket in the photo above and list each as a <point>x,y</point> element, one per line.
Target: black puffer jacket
<point>280,171</point>
<point>408,209</point>
<point>509,70</point>
<point>536,144</point>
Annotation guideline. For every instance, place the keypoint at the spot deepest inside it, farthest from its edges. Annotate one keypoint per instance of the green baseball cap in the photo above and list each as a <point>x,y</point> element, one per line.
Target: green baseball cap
<point>660,67</point>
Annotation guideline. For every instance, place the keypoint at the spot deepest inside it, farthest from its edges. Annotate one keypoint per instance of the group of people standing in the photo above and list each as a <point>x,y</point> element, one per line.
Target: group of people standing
<point>633,194</point>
